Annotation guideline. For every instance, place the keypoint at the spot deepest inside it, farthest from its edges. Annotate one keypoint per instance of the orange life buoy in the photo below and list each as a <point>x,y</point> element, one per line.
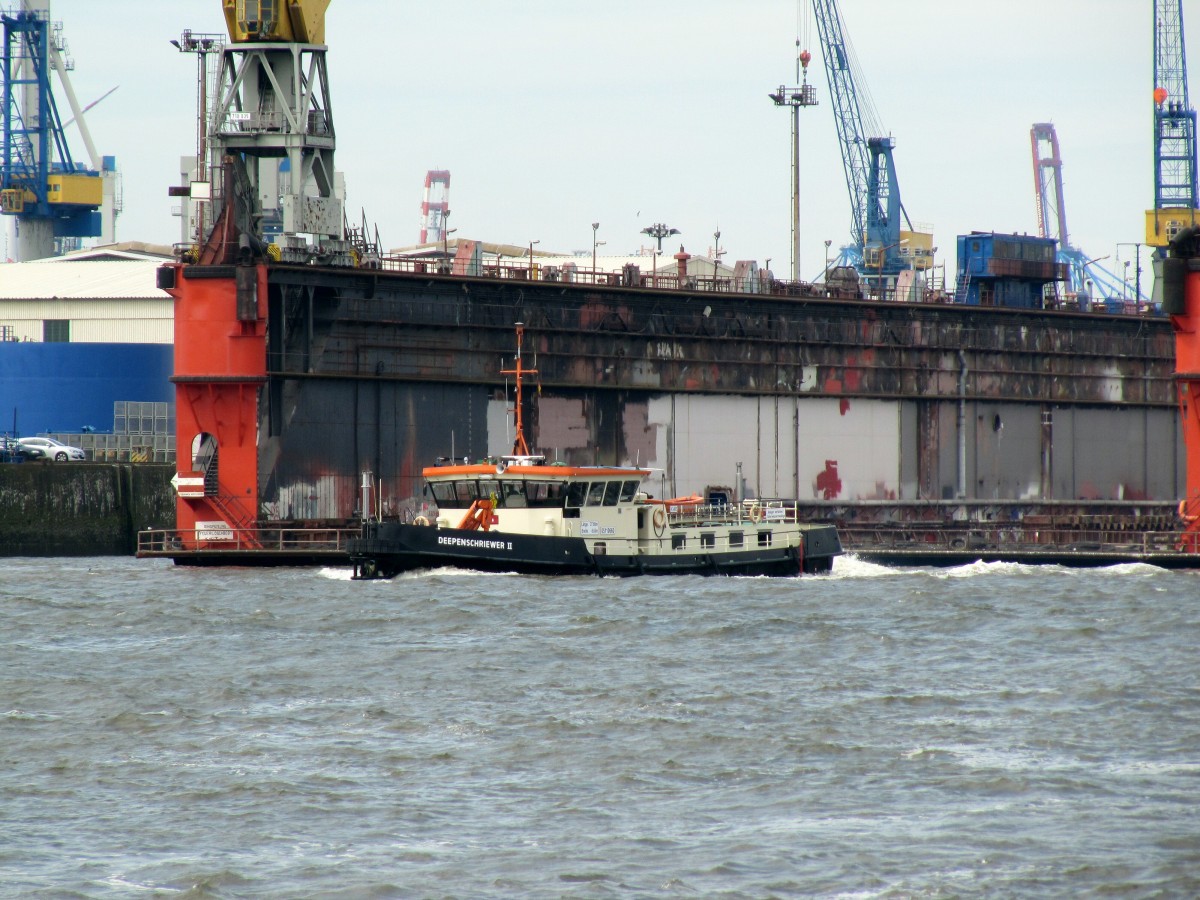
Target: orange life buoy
<point>420,520</point>
<point>660,520</point>
<point>756,513</point>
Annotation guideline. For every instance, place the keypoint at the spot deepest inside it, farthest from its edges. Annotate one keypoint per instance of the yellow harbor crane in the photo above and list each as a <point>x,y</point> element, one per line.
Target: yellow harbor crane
<point>270,141</point>
<point>284,21</point>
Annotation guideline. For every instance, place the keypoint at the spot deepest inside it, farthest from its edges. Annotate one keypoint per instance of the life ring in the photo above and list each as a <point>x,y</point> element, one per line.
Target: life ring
<point>420,520</point>
<point>660,520</point>
<point>756,513</point>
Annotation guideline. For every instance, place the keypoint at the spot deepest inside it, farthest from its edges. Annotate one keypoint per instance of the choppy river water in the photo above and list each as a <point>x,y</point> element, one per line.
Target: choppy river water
<point>991,730</point>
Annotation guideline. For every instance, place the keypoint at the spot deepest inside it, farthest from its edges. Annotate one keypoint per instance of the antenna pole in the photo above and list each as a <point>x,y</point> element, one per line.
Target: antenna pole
<point>520,448</point>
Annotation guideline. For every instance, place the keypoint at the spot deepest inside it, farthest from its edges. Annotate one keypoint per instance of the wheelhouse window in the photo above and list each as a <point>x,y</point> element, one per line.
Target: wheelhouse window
<point>577,493</point>
<point>443,492</point>
<point>545,494</point>
<point>512,494</point>
<point>611,492</point>
<point>596,494</point>
<point>464,492</point>
<point>628,489</point>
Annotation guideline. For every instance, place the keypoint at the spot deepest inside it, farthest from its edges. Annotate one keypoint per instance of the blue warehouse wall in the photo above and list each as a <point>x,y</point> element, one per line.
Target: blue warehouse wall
<point>64,387</point>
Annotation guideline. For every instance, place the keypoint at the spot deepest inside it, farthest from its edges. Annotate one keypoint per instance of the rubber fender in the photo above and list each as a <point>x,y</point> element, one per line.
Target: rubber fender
<point>1174,273</point>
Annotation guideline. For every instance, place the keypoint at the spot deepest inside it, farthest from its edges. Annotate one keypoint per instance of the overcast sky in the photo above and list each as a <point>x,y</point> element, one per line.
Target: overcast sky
<point>552,115</point>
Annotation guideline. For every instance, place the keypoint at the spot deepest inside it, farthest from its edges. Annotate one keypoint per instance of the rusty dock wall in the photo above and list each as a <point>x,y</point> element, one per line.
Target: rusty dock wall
<point>429,328</point>
<point>818,398</point>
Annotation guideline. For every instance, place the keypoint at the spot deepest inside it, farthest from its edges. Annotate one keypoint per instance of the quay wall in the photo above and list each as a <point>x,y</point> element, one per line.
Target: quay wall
<point>81,509</point>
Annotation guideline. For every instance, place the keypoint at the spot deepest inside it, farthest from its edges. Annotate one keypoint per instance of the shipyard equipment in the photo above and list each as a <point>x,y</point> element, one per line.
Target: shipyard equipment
<point>1084,274</point>
<point>271,136</point>
<point>796,98</point>
<point>1175,187</point>
<point>293,380</point>
<point>880,248</point>
<point>435,207</point>
<point>54,199</point>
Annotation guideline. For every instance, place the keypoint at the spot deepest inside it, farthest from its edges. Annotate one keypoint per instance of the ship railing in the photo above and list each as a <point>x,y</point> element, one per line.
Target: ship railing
<point>748,512</point>
<point>176,541</point>
<point>932,536</point>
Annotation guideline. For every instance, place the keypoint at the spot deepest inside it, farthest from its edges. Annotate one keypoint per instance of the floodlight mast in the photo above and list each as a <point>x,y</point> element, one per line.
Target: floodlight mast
<point>796,98</point>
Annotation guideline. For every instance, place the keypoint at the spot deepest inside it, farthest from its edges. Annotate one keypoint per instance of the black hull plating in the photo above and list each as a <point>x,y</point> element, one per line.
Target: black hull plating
<point>385,550</point>
<point>1066,557</point>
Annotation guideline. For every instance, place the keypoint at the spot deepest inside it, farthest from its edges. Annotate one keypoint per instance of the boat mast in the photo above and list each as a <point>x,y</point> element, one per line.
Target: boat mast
<point>520,448</point>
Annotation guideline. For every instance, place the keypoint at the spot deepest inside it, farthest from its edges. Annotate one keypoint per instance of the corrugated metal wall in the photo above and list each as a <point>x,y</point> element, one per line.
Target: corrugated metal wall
<point>841,449</point>
<point>811,448</point>
<point>94,321</point>
<point>64,387</point>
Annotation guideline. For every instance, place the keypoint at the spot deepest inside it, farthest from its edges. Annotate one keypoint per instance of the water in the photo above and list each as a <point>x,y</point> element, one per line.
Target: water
<point>993,730</point>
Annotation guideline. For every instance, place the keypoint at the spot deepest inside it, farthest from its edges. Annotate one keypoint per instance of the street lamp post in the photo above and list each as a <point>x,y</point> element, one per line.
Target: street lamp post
<point>1137,269</point>
<point>717,254</point>
<point>202,45</point>
<point>795,98</point>
<point>825,277</point>
<point>658,231</point>
<point>531,243</point>
<point>595,227</point>
<point>446,239</point>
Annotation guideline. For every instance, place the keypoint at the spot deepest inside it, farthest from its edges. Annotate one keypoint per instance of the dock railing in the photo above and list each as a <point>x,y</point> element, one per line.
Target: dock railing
<point>568,270</point>
<point>175,542</point>
<point>1004,538</point>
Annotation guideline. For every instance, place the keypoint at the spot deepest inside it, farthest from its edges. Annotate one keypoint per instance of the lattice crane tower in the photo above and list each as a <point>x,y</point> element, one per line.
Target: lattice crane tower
<point>436,206</point>
<point>273,114</point>
<point>1176,192</point>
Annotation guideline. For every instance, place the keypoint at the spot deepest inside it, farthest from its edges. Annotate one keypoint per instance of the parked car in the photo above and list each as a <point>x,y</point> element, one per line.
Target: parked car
<point>51,449</point>
<point>12,451</point>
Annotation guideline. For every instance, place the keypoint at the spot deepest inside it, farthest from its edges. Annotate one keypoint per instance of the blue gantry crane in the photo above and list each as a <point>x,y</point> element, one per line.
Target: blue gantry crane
<point>51,195</point>
<point>880,248</point>
<point>1175,189</point>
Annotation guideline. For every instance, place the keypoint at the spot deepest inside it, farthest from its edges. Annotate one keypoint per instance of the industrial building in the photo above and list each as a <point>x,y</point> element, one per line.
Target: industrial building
<point>86,351</point>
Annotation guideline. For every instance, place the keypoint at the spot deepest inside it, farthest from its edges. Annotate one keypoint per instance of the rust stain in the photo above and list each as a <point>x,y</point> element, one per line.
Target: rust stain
<point>829,486</point>
<point>882,492</point>
<point>844,406</point>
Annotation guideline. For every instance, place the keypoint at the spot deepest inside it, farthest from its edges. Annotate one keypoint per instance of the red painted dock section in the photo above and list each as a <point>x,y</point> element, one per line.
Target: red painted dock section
<point>1181,299</point>
<point>220,364</point>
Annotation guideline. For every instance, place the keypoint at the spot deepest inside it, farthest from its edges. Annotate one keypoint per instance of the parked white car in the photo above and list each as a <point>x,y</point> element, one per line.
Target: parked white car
<point>52,449</point>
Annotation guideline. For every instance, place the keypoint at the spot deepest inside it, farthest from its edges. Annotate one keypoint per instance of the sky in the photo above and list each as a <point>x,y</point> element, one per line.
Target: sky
<point>552,115</point>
